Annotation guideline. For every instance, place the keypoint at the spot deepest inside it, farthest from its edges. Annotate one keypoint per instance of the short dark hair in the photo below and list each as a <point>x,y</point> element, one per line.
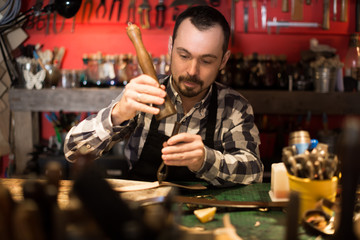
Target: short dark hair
<point>204,17</point>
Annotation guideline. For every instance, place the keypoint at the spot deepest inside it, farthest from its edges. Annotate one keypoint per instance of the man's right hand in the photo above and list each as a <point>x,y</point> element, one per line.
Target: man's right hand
<point>138,94</point>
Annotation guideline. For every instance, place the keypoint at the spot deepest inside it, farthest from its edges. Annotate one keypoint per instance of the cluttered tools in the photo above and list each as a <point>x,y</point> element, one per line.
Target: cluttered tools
<point>313,173</point>
<point>309,160</point>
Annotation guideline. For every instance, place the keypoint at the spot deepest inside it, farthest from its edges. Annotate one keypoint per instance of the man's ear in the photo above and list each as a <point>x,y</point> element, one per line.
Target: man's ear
<point>170,45</point>
<point>225,59</point>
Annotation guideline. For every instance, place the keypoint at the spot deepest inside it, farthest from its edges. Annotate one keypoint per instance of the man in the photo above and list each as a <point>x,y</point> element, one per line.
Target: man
<point>217,141</point>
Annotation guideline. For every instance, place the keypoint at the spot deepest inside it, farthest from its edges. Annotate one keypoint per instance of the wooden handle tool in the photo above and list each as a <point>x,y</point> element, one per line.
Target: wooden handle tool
<point>147,66</point>
<point>344,11</point>
<point>285,6</point>
<point>326,16</point>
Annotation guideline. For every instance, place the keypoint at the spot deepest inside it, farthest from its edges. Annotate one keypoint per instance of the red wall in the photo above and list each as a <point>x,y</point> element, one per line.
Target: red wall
<point>110,37</point>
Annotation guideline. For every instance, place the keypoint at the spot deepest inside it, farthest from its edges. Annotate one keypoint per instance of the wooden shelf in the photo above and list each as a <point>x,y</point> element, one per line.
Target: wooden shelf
<point>26,103</point>
<point>263,101</point>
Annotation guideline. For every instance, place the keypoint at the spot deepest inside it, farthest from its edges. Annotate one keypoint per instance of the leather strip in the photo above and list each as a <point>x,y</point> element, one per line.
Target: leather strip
<point>233,204</point>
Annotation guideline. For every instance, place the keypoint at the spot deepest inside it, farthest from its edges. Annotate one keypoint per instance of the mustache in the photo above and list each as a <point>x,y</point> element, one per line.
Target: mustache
<point>193,79</point>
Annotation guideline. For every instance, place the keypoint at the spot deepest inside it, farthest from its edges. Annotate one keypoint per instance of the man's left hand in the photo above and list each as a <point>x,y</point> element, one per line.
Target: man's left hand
<point>184,149</point>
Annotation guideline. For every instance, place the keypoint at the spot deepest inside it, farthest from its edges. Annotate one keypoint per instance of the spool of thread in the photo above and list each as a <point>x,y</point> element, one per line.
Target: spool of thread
<point>301,140</point>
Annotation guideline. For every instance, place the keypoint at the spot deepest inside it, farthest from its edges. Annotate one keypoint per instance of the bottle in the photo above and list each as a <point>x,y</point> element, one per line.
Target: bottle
<point>352,64</point>
<point>121,70</point>
<point>85,78</point>
<point>241,74</point>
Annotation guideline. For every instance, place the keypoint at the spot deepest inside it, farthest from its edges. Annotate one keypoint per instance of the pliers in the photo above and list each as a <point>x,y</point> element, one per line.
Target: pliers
<point>54,24</point>
<point>90,2</point>
<point>119,9</point>
<point>131,9</point>
<point>144,10</point>
<point>36,21</point>
<point>101,4</point>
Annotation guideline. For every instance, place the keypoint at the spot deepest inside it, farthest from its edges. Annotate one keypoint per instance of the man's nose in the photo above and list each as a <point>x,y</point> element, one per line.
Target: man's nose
<point>193,68</point>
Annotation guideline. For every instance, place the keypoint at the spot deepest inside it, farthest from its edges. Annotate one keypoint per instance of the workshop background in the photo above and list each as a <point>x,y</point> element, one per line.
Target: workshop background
<point>88,34</point>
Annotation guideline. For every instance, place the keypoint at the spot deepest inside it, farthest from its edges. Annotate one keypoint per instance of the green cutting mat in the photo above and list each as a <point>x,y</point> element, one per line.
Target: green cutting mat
<point>253,192</point>
<point>250,224</point>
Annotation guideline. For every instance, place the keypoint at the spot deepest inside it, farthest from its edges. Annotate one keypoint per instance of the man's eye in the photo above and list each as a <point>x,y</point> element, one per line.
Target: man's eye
<point>206,62</point>
<point>184,56</point>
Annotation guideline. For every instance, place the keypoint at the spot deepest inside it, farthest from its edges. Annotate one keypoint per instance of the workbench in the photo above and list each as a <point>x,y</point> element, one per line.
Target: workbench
<point>256,223</point>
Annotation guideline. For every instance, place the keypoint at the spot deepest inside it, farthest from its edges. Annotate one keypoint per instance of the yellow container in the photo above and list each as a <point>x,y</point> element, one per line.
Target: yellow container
<point>311,191</point>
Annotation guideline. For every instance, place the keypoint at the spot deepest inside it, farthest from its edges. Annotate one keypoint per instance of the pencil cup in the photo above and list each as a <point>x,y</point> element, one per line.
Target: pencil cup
<point>311,191</point>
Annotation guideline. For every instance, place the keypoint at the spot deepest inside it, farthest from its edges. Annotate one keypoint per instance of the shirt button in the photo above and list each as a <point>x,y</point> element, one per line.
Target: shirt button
<point>107,130</point>
<point>88,146</point>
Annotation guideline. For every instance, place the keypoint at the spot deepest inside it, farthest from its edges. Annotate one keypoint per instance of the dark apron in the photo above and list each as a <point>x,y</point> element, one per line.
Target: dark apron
<point>150,159</point>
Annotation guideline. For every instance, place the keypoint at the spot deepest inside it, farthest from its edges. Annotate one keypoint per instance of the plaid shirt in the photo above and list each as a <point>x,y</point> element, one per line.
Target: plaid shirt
<point>234,159</point>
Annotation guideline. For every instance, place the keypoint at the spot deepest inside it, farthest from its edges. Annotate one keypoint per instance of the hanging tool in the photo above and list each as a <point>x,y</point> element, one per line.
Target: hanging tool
<point>36,21</point>
<point>296,10</point>
<point>103,5</point>
<point>90,3</point>
<point>131,11</point>
<point>263,15</point>
<point>160,14</point>
<point>344,11</point>
<point>49,9</point>
<point>48,12</point>
<point>254,5</point>
<point>119,9</point>
<point>278,25</point>
<point>246,15</point>
<point>334,9</point>
<point>144,10</point>
<point>326,15</point>
<point>73,24</point>
<point>285,6</point>
<point>54,24</point>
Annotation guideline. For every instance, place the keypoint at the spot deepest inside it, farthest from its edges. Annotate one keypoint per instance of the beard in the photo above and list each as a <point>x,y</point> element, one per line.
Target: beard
<point>188,91</point>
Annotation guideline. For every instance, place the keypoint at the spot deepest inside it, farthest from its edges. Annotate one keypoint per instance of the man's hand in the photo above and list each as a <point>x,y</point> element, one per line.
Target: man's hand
<point>138,94</point>
<point>184,149</point>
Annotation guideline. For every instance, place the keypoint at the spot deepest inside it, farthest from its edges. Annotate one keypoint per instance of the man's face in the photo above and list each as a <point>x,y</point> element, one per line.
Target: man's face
<point>196,58</point>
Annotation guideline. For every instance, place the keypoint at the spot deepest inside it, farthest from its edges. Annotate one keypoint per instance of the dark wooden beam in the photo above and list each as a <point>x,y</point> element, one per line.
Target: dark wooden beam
<point>269,102</point>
